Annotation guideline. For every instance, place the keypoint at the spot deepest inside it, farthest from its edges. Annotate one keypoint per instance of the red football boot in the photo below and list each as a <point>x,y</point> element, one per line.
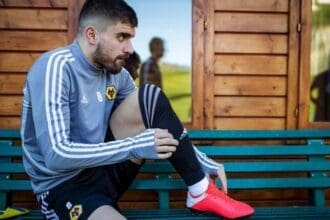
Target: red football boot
<point>217,202</point>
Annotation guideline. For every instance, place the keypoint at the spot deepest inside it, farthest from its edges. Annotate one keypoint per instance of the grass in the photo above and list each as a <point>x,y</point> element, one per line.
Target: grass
<point>177,87</point>
<point>320,49</point>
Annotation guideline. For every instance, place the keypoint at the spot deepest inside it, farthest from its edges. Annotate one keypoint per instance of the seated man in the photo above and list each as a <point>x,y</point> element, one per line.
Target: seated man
<point>68,97</point>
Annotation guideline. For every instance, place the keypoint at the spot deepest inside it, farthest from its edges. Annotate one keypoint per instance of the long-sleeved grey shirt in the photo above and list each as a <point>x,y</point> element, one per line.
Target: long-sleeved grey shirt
<point>65,113</point>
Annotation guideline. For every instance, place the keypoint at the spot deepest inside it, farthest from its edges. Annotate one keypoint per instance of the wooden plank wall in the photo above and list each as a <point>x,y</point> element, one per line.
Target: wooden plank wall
<point>249,70</point>
<point>27,29</point>
<point>250,87</point>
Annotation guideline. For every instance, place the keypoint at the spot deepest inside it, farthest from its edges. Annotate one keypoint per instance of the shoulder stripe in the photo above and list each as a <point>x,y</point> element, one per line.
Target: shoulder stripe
<point>48,85</point>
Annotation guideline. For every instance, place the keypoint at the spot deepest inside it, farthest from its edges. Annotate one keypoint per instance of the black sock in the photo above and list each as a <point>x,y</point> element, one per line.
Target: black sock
<point>157,112</point>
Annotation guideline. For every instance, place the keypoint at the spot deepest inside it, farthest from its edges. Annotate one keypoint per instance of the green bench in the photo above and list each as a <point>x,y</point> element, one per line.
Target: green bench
<point>283,160</point>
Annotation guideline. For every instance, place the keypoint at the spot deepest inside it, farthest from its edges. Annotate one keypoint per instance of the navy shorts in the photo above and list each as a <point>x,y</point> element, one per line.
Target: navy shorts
<point>78,197</point>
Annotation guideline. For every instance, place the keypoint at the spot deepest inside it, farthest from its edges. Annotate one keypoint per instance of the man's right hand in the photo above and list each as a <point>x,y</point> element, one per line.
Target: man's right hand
<point>165,143</point>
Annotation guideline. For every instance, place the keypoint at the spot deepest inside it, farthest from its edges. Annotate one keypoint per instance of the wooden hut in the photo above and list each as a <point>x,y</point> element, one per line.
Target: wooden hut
<point>250,67</point>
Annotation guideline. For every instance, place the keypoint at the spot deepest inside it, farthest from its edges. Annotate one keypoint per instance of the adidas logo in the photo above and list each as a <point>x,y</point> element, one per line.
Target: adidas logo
<point>84,100</point>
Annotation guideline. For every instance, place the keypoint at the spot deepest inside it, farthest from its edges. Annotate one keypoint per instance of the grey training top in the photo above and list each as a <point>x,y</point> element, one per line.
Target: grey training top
<point>65,114</point>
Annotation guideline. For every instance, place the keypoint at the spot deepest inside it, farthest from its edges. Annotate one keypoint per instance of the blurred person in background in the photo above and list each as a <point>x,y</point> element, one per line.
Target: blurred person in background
<point>150,72</point>
<point>132,65</point>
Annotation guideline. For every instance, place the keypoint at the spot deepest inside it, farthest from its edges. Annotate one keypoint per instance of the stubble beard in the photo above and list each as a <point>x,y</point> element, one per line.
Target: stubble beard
<point>101,60</point>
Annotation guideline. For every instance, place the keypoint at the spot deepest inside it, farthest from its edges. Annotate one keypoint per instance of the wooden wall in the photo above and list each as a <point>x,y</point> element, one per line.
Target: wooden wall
<point>245,70</point>
<point>245,58</point>
<point>27,29</point>
<point>251,75</point>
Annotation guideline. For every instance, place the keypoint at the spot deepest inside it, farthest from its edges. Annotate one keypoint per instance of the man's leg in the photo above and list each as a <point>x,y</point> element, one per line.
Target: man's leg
<point>150,107</point>
<point>126,120</point>
<point>106,213</point>
<point>117,177</point>
<point>130,119</point>
<point>80,196</point>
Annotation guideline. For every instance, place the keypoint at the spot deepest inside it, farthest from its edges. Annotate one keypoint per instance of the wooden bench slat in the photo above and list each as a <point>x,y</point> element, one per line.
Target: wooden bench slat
<point>276,166</point>
<point>6,142</point>
<point>241,183</point>
<point>12,168</point>
<point>229,134</point>
<point>282,150</point>
<point>7,185</point>
<point>279,183</point>
<point>8,133</point>
<point>7,151</point>
<point>257,134</point>
<point>160,184</point>
<point>261,213</point>
<point>242,151</point>
<point>305,212</point>
<point>240,167</point>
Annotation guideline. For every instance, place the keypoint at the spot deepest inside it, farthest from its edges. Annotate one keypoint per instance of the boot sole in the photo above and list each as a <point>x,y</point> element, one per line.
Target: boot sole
<point>194,211</point>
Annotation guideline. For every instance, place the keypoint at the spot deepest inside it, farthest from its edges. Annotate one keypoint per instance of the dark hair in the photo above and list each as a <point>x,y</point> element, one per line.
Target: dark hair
<point>155,42</point>
<point>132,64</point>
<point>101,12</point>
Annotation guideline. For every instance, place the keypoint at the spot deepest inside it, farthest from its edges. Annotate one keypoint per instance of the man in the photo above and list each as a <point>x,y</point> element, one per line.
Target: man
<point>132,65</point>
<point>68,97</point>
<point>150,72</point>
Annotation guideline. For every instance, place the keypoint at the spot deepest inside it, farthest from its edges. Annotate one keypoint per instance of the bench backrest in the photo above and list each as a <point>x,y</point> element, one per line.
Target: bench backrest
<point>300,153</point>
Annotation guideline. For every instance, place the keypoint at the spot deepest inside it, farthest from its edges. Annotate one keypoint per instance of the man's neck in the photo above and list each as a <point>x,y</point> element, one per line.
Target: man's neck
<point>155,58</point>
<point>87,50</point>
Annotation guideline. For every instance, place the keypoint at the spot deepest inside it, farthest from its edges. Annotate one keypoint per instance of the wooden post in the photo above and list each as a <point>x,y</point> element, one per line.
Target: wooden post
<point>74,7</point>
<point>197,63</point>
<point>293,65</point>
<point>304,67</point>
<point>209,65</point>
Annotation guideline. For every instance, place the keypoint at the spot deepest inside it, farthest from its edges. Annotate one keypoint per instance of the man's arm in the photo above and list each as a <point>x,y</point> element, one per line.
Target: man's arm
<point>49,97</point>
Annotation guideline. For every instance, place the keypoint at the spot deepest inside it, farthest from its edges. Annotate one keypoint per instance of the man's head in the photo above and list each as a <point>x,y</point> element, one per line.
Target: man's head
<point>105,29</point>
<point>156,47</point>
<point>132,65</point>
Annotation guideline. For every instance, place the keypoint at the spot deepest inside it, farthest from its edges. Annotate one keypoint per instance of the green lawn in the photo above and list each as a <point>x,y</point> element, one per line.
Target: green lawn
<point>320,47</point>
<point>177,87</point>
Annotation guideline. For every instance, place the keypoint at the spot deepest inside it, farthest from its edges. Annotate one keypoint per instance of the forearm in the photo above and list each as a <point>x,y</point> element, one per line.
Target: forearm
<point>65,155</point>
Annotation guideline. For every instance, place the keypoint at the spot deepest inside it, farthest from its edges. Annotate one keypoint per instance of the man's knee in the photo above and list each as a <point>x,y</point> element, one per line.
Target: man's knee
<point>126,120</point>
<point>106,212</point>
<point>153,104</point>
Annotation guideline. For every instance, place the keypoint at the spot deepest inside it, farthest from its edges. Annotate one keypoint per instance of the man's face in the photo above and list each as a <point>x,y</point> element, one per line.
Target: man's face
<point>114,47</point>
<point>159,50</point>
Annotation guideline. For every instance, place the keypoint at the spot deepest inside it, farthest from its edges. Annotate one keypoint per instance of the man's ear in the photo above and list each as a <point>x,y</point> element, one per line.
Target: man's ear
<point>91,35</point>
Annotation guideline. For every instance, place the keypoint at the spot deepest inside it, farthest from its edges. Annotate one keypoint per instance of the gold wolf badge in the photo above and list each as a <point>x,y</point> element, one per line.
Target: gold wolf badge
<point>111,92</point>
<point>75,212</point>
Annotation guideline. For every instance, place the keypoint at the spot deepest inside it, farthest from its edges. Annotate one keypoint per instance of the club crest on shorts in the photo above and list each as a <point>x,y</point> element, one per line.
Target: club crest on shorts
<point>75,212</point>
<point>111,92</point>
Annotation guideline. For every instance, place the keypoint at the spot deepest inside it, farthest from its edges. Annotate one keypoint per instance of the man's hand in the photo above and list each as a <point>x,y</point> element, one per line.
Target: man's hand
<point>221,175</point>
<point>165,143</point>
